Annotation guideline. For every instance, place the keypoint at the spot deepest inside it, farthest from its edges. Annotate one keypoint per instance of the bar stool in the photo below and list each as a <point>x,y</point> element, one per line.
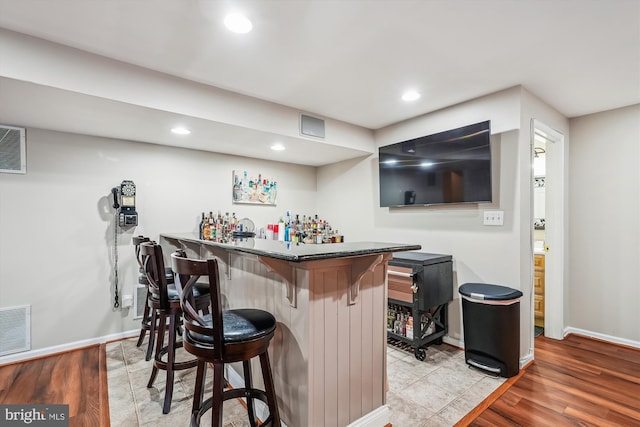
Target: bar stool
<point>142,279</point>
<point>145,323</point>
<point>164,304</point>
<point>224,337</point>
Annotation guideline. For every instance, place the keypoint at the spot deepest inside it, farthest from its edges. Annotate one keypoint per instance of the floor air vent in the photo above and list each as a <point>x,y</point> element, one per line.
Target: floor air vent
<point>15,333</point>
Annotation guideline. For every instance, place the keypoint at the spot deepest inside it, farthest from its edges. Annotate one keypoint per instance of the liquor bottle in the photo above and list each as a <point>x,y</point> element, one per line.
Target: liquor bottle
<point>409,328</point>
<point>206,232</point>
<point>391,317</point>
<point>396,325</point>
<point>287,227</point>
<point>201,228</point>
<point>403,325</point>
<point>213,228</point>
<point>281,230</point>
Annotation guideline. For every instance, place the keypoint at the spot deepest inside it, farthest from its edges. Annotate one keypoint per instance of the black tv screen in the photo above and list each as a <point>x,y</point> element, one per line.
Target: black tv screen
<point>453,166</point>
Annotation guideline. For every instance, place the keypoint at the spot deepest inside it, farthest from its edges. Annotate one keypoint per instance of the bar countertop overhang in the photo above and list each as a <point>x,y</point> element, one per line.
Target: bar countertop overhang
<point>296,252</point>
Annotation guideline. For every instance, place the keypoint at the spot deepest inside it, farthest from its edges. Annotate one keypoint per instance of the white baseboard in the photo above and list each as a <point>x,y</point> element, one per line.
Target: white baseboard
<point>379,417</point>
<point>453,341</point>
<point>525,360</point>
<point>32,354</point>
<point>616,340</point>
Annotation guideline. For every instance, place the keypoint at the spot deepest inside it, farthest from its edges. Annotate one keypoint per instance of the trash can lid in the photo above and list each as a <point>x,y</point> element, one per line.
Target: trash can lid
<point>489,292</point>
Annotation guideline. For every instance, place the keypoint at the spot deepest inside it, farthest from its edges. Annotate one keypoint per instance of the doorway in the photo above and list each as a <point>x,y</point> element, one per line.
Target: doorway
<point>548,228</point>
<point>539,227</point>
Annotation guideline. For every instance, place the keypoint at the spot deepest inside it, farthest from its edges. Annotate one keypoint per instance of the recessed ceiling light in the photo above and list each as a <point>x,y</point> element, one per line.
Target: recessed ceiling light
<point>277,147</point>
<point>180,131</point>
<point>410,95</point>
<point>238,23</point>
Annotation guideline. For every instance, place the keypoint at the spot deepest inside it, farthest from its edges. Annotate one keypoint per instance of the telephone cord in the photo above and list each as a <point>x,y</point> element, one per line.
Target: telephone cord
<point>116,301</point>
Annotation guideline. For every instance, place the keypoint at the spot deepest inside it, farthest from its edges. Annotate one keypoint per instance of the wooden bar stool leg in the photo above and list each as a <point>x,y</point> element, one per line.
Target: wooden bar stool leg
<point>270,389</point>
<point>144,324</point>
<point>217,398</point>
<point>153,324</point>
<point>171,354</point>
<point>198,393</point>
<point>246,367</point>
<point>162,324</point>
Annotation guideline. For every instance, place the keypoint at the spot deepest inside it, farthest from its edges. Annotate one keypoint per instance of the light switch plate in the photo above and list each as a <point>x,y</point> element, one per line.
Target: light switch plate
<point>493,217</point>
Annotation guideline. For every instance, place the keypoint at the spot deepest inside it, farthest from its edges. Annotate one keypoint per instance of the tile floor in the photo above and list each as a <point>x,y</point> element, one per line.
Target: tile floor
<point>436,392</point>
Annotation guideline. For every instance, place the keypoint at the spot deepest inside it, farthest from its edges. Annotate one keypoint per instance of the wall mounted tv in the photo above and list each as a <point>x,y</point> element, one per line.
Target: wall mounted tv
<point>453,166</point>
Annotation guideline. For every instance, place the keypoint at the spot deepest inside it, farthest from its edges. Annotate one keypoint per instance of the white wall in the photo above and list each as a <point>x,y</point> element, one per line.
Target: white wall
<point>56,222</point>
<point>604,236</point>
<point>480,253</point>
<point>62,204</point>
<point>599,279</point>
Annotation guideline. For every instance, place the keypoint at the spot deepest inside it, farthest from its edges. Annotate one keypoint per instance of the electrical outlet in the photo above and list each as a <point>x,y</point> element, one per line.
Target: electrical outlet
<point>493,217</point>
<point>127,300</point>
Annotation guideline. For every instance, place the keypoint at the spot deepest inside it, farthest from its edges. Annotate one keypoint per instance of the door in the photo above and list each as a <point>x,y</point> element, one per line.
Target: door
<point>553,247</point>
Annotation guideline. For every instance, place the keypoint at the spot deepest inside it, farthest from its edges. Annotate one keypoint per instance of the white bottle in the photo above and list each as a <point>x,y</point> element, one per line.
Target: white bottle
<point>281,230</point>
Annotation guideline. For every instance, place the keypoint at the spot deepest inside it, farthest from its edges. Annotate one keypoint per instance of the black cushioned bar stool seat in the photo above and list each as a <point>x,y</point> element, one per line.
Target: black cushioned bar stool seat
<point>240,325</point>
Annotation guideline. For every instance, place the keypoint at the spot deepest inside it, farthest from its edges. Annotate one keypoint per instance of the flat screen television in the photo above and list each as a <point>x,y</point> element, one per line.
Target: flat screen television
<point>453,166</point>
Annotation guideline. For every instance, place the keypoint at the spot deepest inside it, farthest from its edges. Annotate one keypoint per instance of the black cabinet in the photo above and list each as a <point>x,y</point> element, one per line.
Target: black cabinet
<point>421,285</point>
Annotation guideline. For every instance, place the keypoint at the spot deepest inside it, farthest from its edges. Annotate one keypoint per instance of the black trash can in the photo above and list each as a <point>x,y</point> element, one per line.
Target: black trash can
<point>491,322</point>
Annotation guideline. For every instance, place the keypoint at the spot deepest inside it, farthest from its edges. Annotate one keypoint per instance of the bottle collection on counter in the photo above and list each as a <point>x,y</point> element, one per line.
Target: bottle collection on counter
<point>219,227</point>
<point>290,228</point>
<point>305,229</point>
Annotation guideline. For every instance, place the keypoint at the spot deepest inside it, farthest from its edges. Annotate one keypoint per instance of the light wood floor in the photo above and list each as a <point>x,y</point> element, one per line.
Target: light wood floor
<point>576,381</point>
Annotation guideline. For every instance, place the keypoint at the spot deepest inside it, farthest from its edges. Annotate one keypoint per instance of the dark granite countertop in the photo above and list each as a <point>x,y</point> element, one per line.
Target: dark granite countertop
<point>297,252</point>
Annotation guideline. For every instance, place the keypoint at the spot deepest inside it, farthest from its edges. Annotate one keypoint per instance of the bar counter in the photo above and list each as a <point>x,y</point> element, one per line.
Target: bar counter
<point>329,353</point>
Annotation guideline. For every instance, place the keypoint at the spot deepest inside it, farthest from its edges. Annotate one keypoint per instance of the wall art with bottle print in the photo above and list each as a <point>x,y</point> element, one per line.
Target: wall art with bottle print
<point>254,188</point>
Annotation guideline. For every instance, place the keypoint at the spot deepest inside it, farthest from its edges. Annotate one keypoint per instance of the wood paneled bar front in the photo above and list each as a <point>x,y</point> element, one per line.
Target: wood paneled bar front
<point>330,300</point>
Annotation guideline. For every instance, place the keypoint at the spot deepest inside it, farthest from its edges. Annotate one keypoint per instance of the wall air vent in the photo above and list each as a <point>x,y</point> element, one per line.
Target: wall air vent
<point>13,158</point>
<point>311,126</point>
<point>139,301</point>
<point>15,333</point>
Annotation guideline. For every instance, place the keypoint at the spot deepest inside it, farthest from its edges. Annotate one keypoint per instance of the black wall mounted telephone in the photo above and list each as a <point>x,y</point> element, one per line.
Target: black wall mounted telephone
<point>124,203</point>
<point>124,199</point>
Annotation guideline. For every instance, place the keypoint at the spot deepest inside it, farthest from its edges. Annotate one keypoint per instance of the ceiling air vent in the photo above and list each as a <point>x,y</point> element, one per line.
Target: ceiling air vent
<point>13,157</point>
<point>311,126</point>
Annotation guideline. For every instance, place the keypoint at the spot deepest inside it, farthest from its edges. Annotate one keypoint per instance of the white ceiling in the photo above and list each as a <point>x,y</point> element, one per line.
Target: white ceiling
<point>351,60</point>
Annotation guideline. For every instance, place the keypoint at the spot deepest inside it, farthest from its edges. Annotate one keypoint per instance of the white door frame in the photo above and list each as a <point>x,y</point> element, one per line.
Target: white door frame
<point>555,228</point>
